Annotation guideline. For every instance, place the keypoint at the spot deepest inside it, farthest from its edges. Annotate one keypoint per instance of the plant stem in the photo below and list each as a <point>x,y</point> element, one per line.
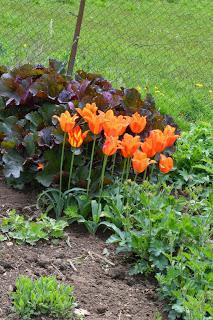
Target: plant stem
<point>128,168</point>
<point>135,180</point>
<point>124,168</point>
<point>91,163</point>
<point>151,172</point>
<point>62,161</point>
<point>71,168</point>
<point>102,178</point>
<point>113,164</point>
<point>144,175</point>
<point>150,226</point>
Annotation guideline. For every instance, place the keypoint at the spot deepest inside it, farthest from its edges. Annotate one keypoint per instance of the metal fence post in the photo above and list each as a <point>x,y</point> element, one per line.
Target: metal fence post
<point>73,53</point>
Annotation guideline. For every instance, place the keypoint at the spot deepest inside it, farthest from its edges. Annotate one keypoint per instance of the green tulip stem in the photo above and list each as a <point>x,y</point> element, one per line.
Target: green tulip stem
<point>128,168</point>
<point>71,169</point>
<point>113,164</point>
<point>102,178</point>
<point>124,169</point>
<point>91,163</point>
<point>144,175</point>
<point>62,161</point>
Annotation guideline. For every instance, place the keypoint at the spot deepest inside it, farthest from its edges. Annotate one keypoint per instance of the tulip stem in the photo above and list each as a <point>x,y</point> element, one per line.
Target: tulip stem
<point>128,168</point>
<point>113,164</point>
<point>151,172</point>
<point>102,178</point>
<point>62,161</point>
<point>144,175</point>
<point>91,163</point>
<point>124,168</point>
<point>135,180</point>
<point>71,168</point>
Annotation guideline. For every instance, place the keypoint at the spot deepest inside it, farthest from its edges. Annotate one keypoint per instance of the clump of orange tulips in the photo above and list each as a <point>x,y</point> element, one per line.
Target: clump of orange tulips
<point>117,139</point>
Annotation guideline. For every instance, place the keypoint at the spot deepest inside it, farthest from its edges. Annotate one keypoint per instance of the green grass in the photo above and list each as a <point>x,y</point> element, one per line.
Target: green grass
<point>165,45</point>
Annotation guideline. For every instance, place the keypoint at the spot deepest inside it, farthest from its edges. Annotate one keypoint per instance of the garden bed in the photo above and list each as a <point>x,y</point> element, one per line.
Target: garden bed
<point>102,284</point>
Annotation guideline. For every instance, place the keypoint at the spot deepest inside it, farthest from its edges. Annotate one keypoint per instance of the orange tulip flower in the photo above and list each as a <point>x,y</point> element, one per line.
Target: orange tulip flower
<point>148,147</point>
<point>165,164</point>
<point>158,140</point>
<point>137,123</point>
<point>40,166</point>
<point>110,146</point>
<point>124,122</point>
<point>96,123</point>
<point>76,137</point>
<point>114,126</point>
<point>129,145</point>
<point>170,136</point>
<point>87,111</point>
<point>67,122</point>
<point>140,161</point>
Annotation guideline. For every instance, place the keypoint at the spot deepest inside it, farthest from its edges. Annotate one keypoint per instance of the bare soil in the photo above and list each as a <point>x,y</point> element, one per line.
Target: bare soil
<point>102,284</point>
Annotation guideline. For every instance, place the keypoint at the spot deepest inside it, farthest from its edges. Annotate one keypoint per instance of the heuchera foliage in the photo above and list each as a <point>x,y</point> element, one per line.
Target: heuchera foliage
<point>30,141</point>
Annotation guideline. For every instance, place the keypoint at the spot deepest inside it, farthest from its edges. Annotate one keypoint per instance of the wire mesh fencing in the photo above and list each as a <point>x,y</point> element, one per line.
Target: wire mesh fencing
<point>163,45</point>
<point>35,30</point>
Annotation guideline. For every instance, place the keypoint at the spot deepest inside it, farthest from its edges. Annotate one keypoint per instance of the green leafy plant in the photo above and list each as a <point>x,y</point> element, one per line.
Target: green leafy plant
<point>194,157</point>
<point>56,200</point>
<point>166,235</point>
<point>16,227</point>
<point>91,219</point>
<point>43,296</point>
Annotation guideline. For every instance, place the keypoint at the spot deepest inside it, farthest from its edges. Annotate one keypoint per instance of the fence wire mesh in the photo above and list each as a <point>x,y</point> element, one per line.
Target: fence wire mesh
<point>35,30</point>
<point>165,45</point>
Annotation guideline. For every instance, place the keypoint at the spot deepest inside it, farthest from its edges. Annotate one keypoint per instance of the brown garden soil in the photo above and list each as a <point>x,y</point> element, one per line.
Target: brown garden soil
<point>102,284</point>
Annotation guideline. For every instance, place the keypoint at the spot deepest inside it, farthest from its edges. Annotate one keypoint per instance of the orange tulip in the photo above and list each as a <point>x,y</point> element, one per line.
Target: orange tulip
<point>129,145</point>
<point>87,111</point>
<point>170,136</point>
<point>137,123</point>
<point>110,146</point>
<point>40,166</point>
<point>148,147</point>
<point>76,137</point>
<point>140,161</point>
<point>124,122</point>
<point>67,122</point>
<point>165,164</point>
<point>96,123</point>
<point>169,130</point>
<point>114,126</point>
<point>158,140</point>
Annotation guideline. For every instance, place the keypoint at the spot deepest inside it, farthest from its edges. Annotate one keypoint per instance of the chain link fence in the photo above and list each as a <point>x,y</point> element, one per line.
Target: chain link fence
<point>163,45</point>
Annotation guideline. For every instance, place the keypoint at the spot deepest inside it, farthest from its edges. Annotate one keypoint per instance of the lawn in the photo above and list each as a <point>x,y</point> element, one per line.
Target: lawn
<point>165,45</point>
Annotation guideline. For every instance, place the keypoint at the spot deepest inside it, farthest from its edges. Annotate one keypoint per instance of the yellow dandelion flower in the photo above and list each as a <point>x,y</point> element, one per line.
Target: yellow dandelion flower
<point>199,85</point>
<point>139,89</point>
